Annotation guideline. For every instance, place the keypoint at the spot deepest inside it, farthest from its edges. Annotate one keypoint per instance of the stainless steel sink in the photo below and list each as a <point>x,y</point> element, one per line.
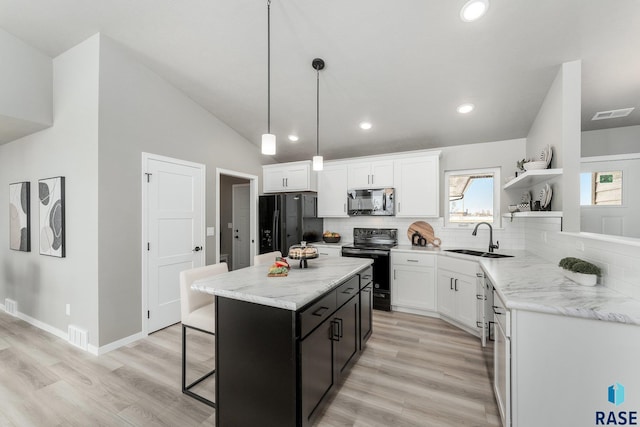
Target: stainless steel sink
<point>478,253</point>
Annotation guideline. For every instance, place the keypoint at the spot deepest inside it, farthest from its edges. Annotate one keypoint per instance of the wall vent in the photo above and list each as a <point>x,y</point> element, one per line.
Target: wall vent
<point>10,306</point>
<point>78,337</point>
<point>612,114</point>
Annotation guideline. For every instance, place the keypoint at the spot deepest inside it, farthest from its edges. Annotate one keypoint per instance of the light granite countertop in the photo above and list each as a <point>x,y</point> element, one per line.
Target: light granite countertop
<point>292,292</point>
<point>527,282</point>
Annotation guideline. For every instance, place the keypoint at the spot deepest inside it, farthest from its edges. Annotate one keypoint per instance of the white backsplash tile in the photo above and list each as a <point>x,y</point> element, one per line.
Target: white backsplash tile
<point>619,261</point>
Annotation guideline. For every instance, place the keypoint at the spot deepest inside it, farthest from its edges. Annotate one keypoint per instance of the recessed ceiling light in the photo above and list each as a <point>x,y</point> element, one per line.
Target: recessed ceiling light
<point>465,108</point>
<point>293,138</point>
<point>474,9</point>
<point>365,125</point>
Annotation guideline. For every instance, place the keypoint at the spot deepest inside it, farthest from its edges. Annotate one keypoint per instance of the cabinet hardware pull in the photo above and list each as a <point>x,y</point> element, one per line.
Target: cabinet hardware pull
<point>479,275</point>
<point>496,311</point>
<point>413,260</point>
<point>319,312</point>
<point>481,297</point>
<point>372,179</point>
<point>348,291</point>
<point>339,328</point>
<point>394,274</point>
<point>345,207</point>
<point>333,336</point>
<point>478,324</point>
<point>451,283</point>
<point>456,285</point>
<point>283,182</point>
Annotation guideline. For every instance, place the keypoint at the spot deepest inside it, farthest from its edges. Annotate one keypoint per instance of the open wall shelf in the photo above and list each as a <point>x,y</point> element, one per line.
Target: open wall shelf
<point>532,178</point>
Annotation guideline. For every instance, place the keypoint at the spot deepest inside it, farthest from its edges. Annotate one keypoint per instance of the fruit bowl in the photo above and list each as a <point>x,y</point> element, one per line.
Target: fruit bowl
<point>332,239</point>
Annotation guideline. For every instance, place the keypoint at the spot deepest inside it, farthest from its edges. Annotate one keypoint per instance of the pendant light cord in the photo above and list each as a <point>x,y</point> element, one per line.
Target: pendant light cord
<point>317,112</point>
<point>268,66</point>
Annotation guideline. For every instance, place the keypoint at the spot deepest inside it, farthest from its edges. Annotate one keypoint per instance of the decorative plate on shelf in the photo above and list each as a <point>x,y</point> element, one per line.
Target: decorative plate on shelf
<point>539,164</point>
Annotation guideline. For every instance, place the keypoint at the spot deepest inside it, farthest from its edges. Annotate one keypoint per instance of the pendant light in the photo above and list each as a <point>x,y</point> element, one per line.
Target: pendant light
<point>268,139</point>
<point>317,64</point>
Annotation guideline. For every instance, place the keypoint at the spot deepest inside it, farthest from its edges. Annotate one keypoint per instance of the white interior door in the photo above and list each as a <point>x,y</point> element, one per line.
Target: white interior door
<point>241,230</point>
<point>175,234</point>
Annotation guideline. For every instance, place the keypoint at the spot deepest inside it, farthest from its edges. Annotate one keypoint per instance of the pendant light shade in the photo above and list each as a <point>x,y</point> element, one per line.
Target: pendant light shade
<point>317,163</point>
<point>268,139</point>
<point>318,64</point>
<point>268,144</point>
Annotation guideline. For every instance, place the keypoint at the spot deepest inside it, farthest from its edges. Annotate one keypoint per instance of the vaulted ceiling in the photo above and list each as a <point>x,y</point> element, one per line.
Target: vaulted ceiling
<point>403,65</point>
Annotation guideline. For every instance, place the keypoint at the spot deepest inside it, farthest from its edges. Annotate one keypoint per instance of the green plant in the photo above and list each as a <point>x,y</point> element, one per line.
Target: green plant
<point>567,262</point>
<point>579,266</point>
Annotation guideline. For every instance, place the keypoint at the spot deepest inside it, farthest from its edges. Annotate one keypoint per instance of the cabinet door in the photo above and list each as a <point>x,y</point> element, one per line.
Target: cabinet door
<point>347,343</point>
<point>382,174</point>
<point>466,300</point>
<point>446,295</point>
<point>316,368</point>
<point>359,175</point>
<point>332,191</point>
<point>413,287</point>
<point>417,187</point>
<point>297,178</point>
<point>366,313</point>
<point>273,180</point>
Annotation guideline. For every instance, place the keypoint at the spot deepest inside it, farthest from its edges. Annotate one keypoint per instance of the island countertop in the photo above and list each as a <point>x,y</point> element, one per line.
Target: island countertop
<point>299,288</point>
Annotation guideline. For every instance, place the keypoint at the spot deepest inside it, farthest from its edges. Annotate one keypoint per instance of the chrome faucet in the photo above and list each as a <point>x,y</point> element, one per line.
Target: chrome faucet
<point>491,245</point>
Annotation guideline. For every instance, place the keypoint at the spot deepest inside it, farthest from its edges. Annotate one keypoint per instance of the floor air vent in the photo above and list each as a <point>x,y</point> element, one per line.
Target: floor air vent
<point>78,337</point>
<point>10,306</point>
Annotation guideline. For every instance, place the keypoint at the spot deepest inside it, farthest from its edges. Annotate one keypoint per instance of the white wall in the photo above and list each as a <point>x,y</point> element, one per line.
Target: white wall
<point>42,285</point>
<point>26,89</point>
<point>606,142</point>
<point>141,112</point>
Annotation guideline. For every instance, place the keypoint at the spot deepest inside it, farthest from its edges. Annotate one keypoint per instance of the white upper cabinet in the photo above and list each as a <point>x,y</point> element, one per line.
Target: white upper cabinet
<point>332,191</point>
<point>417,186</point>
<point>286,177</point>
<point>372,174</point>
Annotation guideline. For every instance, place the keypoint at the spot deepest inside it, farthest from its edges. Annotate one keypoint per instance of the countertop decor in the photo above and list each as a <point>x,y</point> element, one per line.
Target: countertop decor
<point>582,272</point>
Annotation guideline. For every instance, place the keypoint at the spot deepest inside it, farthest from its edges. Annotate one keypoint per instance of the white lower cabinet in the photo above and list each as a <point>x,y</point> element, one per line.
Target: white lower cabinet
<point>413,286</point>
<point>328,250</point>
<point>458,293</point>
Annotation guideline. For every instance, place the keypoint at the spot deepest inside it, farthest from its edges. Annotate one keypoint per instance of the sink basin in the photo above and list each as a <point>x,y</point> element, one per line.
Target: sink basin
<point>478,253</point>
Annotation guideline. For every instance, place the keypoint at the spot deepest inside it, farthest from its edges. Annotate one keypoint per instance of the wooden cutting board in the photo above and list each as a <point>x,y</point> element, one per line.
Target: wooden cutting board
<point>425,230</point>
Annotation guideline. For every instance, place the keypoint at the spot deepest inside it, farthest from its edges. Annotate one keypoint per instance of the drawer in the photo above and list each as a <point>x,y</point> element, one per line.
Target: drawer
<point>366,277</point>
<point>348,290</point>
<point>457,265</point>
<point>425,260</point>
<point>329,251</point>
<point>317,313</point>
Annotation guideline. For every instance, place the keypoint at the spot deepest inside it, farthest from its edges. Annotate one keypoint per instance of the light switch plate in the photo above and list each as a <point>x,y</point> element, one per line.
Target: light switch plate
<point>229,225</point>
<point>211,231</point>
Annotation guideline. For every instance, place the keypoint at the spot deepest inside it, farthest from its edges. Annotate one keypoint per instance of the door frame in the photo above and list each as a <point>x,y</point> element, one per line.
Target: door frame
<point>145,233</point>
<point>233,217</point>
<point>253,209</point>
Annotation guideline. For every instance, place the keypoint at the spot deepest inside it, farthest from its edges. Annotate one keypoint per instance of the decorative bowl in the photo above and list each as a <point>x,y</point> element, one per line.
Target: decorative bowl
<point>331,239</point>
<point>540,164</point>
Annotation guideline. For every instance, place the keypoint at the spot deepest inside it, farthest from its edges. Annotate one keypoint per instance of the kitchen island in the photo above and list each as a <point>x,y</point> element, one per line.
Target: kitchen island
<point>283,344</point>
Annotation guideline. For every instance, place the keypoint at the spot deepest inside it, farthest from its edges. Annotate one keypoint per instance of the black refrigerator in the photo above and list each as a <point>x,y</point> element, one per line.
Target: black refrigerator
<point>287,219</point>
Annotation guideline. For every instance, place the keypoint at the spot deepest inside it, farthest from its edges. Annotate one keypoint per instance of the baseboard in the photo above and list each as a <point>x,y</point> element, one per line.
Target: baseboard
<point>96,351</point>
<point>415,311</point>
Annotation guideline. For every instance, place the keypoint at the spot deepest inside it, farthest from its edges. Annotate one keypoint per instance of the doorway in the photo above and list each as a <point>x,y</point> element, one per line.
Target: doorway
<point>236,218</point>
<point>173,223</point>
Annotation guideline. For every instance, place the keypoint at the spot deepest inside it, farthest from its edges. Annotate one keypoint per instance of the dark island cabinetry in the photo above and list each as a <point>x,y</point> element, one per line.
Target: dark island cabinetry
<point>277,367</point>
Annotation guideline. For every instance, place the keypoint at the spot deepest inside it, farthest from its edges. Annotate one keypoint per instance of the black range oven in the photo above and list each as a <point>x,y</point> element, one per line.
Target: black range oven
<point>375,244</point>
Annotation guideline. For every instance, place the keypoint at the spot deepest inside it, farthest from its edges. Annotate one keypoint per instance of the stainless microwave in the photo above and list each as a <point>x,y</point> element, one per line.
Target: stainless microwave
<point>378,201</point>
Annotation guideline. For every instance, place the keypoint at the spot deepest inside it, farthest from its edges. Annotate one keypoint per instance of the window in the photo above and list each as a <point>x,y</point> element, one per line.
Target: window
<point>473,196</point>
<point>601,188</point>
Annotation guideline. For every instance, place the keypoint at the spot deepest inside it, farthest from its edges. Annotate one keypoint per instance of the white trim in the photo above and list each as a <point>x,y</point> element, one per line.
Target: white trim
<point>610,158</point>
<point>253,197</point>
<point>496,196</point>
<point>234,187</point>
<point>631,241</point>
<point>99,351</point>
<point>145,234</point>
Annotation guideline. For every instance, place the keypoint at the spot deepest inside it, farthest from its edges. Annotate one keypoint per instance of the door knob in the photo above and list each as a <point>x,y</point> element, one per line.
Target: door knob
<point>197,249</point>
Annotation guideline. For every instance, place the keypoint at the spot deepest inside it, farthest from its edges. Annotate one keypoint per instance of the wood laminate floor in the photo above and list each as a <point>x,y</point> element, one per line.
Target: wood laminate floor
<point>415,371</point>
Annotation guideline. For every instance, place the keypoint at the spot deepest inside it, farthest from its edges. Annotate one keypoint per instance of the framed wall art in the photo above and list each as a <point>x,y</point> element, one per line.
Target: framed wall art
<point>20,216</point>
<point>51,197</point>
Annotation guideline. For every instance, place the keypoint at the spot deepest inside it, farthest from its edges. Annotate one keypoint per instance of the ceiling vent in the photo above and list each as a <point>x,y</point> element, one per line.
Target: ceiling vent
<point>612,114</point>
